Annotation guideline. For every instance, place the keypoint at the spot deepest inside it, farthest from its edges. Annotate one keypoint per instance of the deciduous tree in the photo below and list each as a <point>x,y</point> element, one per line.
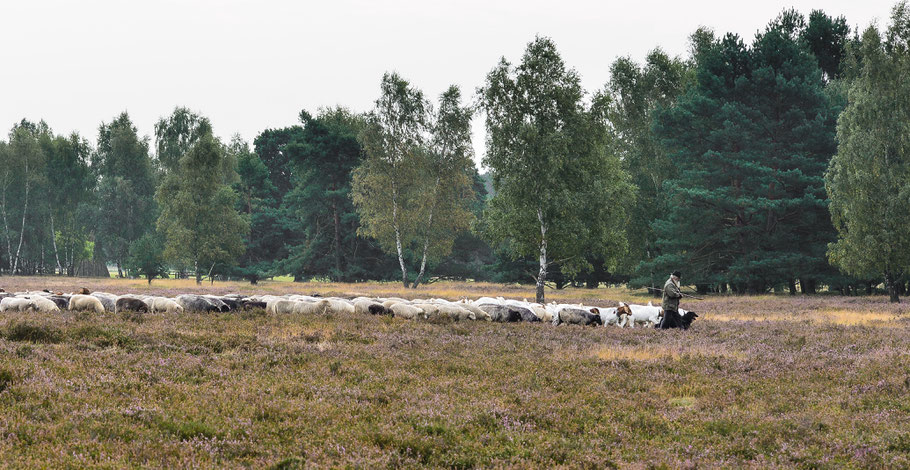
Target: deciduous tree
<point>559,193</point>
<point>868,180</point>
<point>198,217</point>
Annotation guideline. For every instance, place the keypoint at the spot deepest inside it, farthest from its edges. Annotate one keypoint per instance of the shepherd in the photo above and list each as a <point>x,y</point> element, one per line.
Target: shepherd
<point>670,302</point>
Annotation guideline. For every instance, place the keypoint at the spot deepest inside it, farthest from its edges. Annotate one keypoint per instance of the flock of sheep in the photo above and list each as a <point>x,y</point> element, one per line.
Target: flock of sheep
<point>485,308</point>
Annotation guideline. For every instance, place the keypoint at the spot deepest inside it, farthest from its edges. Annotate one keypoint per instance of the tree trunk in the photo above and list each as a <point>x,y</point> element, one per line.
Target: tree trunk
<point>423,264</point>
<point>24,213</point>
<point>426,242</point>
<point>404,269</point>
<point>9,242</point>
<point>423,260</point>
<point>542,274</point>
<point>198,273</point>
<point>54,240</point>
<point>791,284</point>
<point>891,284</point>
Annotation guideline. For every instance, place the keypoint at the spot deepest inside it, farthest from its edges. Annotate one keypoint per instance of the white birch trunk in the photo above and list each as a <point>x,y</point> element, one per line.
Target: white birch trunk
<point>426,242</point>
<point>54,241</point>
<point>24,214</point>
<point>9,241</point>
<point>404,269</point>
<point>542,275</point>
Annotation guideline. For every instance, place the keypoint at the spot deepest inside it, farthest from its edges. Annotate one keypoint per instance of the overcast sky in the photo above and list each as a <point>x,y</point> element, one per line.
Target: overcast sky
<point>252,65</point>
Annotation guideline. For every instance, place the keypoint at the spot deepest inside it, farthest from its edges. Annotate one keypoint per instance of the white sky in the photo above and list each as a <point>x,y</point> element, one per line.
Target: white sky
<point>252,65</point>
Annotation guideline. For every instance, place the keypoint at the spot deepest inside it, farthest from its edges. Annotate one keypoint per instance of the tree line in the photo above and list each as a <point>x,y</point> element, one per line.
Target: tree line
<point>778,164</point>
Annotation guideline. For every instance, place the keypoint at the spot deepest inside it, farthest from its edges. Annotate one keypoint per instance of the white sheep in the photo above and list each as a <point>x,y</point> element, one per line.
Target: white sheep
<point>16,304</point>
<point>406,311</point>
<point>164,305</point>
<point>85,302</point>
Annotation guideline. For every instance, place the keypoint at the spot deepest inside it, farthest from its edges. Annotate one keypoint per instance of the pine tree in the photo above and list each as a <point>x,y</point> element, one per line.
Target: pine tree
<point>750,142</point>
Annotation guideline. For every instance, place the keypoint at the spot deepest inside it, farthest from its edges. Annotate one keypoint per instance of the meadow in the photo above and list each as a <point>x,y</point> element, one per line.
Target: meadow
<point>761,381</point>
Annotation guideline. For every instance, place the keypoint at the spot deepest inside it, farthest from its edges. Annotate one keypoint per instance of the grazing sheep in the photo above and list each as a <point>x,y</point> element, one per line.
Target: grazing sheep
<point>537,309</point>
<point>501,313</point>
<point>81,302</point>
<point>43,304</point>
<point>429,310</point>
<point>406,311</point>
<point>577,316</point>
<point>281,307</point>
<point>232,303</point>
<point>478,313</point>
<point>62,301</point>
<point>338,306</point>
<point>456,312</point>
<point>164,305</point>
<point>108,301</point>
<point>318,307</point>
<point>217,302</point>
<point>526,314</point>
<point>249,304</point>
<point>368,306</point>
<point>195,303</point>
<point>130,304</point>
<point>16,304</point>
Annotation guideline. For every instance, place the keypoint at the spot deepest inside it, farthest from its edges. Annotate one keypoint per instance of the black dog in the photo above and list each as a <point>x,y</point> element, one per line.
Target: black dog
<point>673,319</point>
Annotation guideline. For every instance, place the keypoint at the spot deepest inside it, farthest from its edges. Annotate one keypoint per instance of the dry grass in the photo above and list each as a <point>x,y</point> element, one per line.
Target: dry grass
<point>657,353</point>
<point>760,382</point>
<point>832,316</point>
<point>444,289</point>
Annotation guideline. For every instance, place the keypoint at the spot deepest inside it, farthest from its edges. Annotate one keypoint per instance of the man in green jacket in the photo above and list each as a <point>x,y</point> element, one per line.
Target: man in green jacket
<point>670,301</point>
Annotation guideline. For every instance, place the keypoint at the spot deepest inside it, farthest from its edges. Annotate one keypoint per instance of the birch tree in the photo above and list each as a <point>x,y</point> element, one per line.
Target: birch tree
<point>868,180</point>
<point>448,193</point>
<point>23,174</point>
<point>126,189</point>
<point>560,196</point>
<point>386,183</point>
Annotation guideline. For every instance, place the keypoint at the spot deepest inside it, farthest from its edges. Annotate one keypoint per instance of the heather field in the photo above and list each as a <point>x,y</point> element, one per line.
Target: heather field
<point>771,381</point>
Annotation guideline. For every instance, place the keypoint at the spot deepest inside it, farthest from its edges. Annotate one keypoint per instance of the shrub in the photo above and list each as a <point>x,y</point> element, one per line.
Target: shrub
<point>35,333</point>
<point>6,379</point>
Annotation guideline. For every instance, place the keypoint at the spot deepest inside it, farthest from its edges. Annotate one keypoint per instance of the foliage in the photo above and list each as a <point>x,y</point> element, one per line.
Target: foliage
<point>559,192</point>
<point>71,199</point>
<point>126,188</point>
<point>827,38</point>
<point>869,178</point>
<point>198,215</point>
<point>176,134</point>
<point>636,92</point>
<point>322,160</point>
<point>264,242</point>
<point>750,141</point>
<point>386,183</point>
<point>414,189</point>
<point>147,257</point>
